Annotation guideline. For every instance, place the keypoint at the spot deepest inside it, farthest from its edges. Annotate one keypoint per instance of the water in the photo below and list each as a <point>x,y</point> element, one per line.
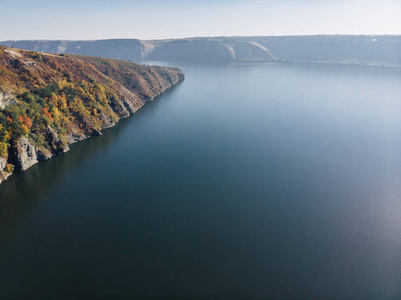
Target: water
<point>244,182</point>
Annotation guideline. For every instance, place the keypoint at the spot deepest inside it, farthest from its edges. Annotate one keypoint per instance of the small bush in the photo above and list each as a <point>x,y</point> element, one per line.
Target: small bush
<point>9,168</point>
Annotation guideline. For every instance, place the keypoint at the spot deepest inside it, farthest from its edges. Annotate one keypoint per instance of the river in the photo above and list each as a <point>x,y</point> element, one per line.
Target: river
<point>248,181</point>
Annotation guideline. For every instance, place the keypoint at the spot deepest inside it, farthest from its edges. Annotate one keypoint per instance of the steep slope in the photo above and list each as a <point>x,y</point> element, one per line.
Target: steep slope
<point>198,50</point>
<point>128,49</point>
<point>49,101</point>
<point>210,50</point>
<point>339,49</point>
<point>193,50</point>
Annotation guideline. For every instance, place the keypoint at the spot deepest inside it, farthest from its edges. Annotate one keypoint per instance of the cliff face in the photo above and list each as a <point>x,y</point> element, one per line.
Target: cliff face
<point>381,50</point>
<point>26,154</point>
<point>50,101</point>
<point>210,50</point>
<point>4,173</point>
<point>6,99</point>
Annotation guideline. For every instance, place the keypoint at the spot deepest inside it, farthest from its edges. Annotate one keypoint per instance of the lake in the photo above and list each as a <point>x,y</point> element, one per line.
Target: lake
<point>248,181</point>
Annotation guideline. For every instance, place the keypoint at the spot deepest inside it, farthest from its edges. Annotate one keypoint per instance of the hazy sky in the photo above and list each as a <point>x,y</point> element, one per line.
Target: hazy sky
<point>155,19</point>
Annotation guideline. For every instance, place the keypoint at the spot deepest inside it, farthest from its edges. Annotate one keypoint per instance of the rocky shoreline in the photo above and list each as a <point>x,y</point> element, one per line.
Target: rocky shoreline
<point>49,102</point>
<point>26,154</point>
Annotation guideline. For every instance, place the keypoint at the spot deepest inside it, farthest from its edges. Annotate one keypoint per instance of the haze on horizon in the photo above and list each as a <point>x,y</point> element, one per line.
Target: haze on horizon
<point>160,19</point>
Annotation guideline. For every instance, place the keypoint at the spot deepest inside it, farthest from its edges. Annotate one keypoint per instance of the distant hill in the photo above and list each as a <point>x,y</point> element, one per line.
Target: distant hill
<point>196,50</point>
<point>339,49</point>
<point>210,50</point>
<point>50,101</point>
<point>118,49</point>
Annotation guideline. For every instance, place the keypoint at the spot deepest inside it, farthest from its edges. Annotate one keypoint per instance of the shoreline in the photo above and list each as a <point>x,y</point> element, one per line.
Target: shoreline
<point>28,148</point>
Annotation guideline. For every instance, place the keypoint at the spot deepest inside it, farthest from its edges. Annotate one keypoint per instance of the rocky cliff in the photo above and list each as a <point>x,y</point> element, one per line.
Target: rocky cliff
<point>50,101</point>
<point>6,99</point>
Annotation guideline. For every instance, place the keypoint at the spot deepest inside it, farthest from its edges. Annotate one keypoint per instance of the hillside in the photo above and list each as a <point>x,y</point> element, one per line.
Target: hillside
<point>384,50</point>
<point>209,50</point>
<point>198,50</point>
<point>381,51</point>
<point>123,49</point>
<point>48,102</point>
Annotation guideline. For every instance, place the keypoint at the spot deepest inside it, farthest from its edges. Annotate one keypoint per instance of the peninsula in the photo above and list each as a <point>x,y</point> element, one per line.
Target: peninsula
<point>50,101</point>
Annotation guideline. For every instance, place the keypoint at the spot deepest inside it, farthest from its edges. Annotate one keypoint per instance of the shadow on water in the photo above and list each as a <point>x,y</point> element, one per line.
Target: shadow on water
<point>23,191</point>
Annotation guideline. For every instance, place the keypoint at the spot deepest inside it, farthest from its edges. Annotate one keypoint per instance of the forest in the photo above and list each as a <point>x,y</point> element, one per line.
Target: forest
<point>61,99</point>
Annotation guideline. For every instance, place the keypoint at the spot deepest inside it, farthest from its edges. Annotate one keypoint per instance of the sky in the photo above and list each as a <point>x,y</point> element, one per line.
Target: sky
<point>158,19</point>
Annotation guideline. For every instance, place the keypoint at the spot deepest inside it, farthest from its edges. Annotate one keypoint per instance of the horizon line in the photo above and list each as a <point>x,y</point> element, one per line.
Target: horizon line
<point>197,37</point>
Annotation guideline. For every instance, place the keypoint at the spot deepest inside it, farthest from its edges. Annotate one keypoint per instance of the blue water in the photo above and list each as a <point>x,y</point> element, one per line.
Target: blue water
<point>254,181</point>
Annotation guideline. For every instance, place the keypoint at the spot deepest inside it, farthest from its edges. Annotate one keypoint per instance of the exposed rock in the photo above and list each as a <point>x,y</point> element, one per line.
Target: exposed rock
<point>3,163</point>
<point>130,101</point>
<point>26,154</point>
<point>3,173</point>
<point>252,51</point>
<point>13,54</point>
<point>59,147</point>
<point>106,121</point>
<point>75,135</point>
<point>29,63</point>
<point>6,99</point>
<point>119,89</point>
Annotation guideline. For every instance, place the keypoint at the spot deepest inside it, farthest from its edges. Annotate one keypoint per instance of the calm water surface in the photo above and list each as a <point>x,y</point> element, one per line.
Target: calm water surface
<point>243,182</point>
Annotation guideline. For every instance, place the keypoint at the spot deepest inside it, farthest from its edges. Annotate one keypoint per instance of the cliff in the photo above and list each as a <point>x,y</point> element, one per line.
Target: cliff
<point>363,50</point>
<point>50,101</point>
<point>210,50</point>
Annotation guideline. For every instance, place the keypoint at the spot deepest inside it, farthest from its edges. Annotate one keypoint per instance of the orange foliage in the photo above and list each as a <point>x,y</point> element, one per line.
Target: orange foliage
<point>46,113</point>
<point>25,121</point>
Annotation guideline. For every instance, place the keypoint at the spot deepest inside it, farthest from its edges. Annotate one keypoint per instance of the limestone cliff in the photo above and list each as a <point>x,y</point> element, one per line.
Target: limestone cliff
<point>4,173</point>
<point>26,154</point>
<point>6,99</point>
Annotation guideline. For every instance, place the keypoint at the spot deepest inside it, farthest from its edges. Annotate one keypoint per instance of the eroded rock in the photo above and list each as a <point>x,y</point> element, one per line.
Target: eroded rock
<point>26,154</point>
<point>59,147</point>
<point>6,99</point>
<point>3,173</point>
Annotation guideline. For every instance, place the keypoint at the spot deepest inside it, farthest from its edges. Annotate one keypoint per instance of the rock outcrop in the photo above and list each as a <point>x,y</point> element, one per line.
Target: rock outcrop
<point>26,154</point>
<point>6,99</point>
<point>3,172</point>
<point>58,145</point>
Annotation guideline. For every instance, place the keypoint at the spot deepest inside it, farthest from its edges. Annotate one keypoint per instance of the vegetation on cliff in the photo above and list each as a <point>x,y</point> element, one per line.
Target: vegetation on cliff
<point>49,101</point>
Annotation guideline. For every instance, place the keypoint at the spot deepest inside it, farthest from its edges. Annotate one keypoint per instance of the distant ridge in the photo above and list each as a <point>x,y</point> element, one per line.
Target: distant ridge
<point>369,50</point>
<point>188,50</point>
